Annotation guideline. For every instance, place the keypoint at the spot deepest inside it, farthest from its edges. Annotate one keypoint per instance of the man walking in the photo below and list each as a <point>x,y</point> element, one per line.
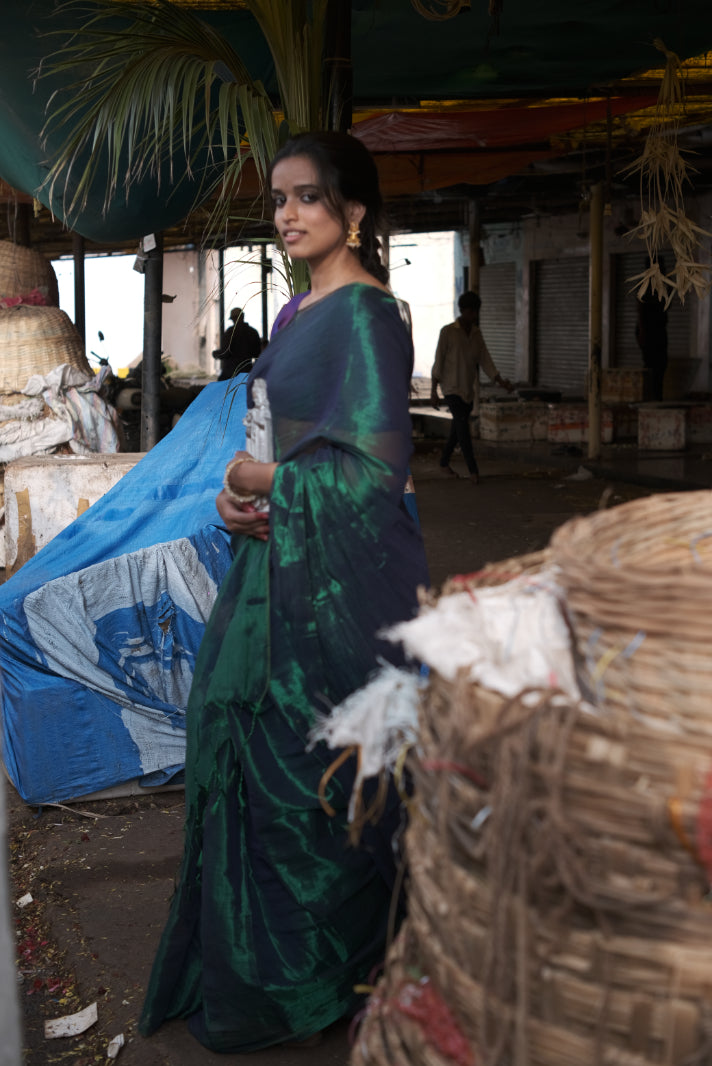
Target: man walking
<point>460,353</point>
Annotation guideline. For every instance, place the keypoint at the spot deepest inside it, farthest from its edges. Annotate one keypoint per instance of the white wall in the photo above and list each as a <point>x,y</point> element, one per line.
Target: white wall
<point>191,326</point>
<point>243,284</point>
<point>114,304</point>
<point>427,283</point>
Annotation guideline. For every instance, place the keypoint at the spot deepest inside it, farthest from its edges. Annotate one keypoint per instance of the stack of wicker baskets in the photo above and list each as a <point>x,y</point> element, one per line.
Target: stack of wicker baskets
<point>35,335</point>
<point>35,340</point>
<point>560,856</point>
<point>24,272</point>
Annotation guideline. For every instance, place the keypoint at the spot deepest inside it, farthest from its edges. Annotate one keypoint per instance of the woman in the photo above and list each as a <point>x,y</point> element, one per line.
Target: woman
<point>276,918</point>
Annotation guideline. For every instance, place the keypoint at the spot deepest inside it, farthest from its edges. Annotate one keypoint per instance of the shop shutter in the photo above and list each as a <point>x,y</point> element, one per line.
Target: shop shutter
<point>561,324</point>
<point>497,289</point>
<point>624,348</point>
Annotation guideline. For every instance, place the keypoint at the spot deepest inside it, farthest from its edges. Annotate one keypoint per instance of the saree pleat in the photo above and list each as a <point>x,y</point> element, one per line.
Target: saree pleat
<point>276,917</point>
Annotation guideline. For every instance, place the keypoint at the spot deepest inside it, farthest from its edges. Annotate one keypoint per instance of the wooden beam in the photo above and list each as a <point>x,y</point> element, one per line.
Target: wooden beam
<point>595,322</point>
<point>338,72</point>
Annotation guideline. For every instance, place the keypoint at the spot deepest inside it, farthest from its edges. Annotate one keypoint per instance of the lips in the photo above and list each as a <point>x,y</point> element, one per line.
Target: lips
<point>291,235</point>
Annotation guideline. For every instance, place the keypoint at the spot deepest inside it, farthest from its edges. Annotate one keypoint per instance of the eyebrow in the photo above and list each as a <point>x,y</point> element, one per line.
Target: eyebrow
<point>298,188</point>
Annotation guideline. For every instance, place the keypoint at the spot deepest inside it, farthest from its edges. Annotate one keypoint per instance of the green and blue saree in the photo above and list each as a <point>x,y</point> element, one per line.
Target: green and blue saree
<point>276,917</point>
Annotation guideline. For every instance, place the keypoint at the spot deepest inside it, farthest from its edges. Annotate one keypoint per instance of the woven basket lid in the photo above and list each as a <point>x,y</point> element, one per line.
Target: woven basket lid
<point>34,340</point>
<point>22,270</point>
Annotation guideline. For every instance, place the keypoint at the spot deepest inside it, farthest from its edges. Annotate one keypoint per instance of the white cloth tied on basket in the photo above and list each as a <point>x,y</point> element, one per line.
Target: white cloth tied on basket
<point>511,638</point>
<point>507,638</point>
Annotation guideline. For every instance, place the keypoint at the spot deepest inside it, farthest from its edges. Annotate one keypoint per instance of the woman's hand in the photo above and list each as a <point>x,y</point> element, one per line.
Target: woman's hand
<point>246,478</point>
<point>242,517</point>
<point>250,476</point>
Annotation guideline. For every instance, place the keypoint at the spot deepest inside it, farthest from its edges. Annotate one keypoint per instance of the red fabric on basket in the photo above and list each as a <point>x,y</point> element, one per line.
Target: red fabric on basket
<point>34,298</point>
<point>421,1002</point>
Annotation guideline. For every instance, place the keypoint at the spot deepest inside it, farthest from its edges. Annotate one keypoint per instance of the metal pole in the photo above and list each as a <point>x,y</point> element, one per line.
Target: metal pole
<point>221,291</point>
<point>595,322</point>
<point>20,228</point>
<point>265,271</point>
<point>386,249</point>
<point>152,321</point>
<point>80,319</point>
<point>474,227</point>
<point>338,71</point>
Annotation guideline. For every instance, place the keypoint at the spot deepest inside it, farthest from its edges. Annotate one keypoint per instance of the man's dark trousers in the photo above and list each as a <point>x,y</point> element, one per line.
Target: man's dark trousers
<point>459,432</point>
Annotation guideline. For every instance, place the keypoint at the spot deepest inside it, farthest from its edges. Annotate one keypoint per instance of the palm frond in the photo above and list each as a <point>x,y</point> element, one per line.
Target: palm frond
<point>158,91</point>
<point>295,34</point>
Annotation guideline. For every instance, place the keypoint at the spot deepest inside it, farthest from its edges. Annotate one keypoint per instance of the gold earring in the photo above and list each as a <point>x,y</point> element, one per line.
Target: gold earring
<point>353,239</point>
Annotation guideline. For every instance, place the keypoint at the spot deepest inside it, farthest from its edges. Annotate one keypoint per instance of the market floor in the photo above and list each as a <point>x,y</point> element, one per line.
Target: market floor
<point>101,872</point>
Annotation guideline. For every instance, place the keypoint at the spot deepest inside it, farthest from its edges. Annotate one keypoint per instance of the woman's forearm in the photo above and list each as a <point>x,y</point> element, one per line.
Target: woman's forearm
<point>249,476</point>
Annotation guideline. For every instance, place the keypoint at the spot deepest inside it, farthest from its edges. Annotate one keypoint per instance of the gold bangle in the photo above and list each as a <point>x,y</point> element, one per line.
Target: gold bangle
<point>237,496</point>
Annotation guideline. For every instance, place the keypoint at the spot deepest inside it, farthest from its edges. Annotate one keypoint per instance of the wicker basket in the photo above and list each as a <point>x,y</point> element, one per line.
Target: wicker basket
<point>23,270</point>
<point>559,862</point>
<point>638,582</point>
<point>35,340</point>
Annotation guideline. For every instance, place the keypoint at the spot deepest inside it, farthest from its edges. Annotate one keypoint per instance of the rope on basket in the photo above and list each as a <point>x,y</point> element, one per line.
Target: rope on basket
<point>361,814</point>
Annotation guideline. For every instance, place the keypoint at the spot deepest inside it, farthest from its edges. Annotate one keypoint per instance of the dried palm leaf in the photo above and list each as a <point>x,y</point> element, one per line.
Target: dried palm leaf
<point>664,172</point>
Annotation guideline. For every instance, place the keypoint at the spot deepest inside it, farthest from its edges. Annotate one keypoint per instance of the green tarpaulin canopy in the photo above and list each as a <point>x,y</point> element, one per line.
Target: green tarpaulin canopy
<point>553,52</point>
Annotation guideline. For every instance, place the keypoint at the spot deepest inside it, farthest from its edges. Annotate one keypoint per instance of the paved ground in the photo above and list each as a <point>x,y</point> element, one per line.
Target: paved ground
<point>518,503</point>
<point>101,872</point>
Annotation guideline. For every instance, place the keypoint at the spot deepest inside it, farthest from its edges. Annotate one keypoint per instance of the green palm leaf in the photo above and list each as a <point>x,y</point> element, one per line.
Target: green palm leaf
<point>145,79</point>
<point>155,91</point>
<point>294,32</point>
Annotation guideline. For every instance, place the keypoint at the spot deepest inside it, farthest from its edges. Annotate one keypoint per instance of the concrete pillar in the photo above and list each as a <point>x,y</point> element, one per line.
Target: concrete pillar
<point>79,285</point>
<point>475,234</point>
<point>152,343</point>
<point>265,271</point>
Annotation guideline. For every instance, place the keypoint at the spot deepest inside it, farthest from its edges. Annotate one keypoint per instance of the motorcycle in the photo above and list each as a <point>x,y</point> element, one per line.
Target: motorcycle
<point>125,395</point>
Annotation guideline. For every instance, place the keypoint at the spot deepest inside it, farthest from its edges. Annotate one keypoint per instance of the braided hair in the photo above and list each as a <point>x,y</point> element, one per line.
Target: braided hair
<point>347,172</point>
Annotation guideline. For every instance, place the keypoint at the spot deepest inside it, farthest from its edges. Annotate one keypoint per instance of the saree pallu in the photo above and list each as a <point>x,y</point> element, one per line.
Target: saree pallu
<point>276,917</point>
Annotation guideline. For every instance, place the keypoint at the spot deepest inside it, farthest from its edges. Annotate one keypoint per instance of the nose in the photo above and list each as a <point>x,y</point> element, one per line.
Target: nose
<point>289,208</point>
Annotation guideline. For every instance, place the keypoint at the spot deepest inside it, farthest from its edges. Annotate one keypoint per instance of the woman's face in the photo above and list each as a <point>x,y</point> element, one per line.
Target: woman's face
<point>305,221</point>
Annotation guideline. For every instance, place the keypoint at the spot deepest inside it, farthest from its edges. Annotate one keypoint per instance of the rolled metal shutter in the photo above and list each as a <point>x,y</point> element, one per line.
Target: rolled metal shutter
<point>497,290</point>
<point>561,324</point>
<point>624,349</point>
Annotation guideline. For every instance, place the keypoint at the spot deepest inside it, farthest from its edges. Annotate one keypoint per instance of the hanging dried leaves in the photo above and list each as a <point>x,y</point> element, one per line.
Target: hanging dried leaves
<point>663,221</point>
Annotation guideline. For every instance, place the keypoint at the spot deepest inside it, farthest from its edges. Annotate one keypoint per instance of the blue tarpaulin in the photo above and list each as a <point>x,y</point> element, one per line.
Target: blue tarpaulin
<point>99,631</point>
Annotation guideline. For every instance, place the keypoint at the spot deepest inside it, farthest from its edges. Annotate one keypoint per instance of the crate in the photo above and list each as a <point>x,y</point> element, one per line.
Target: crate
<point>624,385</point>
<point>661,427</point>
<point>625,421</point>
<point>514,421</point>
<point>568,423</point>
<point>45,493</point>
<point>699,423</point>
